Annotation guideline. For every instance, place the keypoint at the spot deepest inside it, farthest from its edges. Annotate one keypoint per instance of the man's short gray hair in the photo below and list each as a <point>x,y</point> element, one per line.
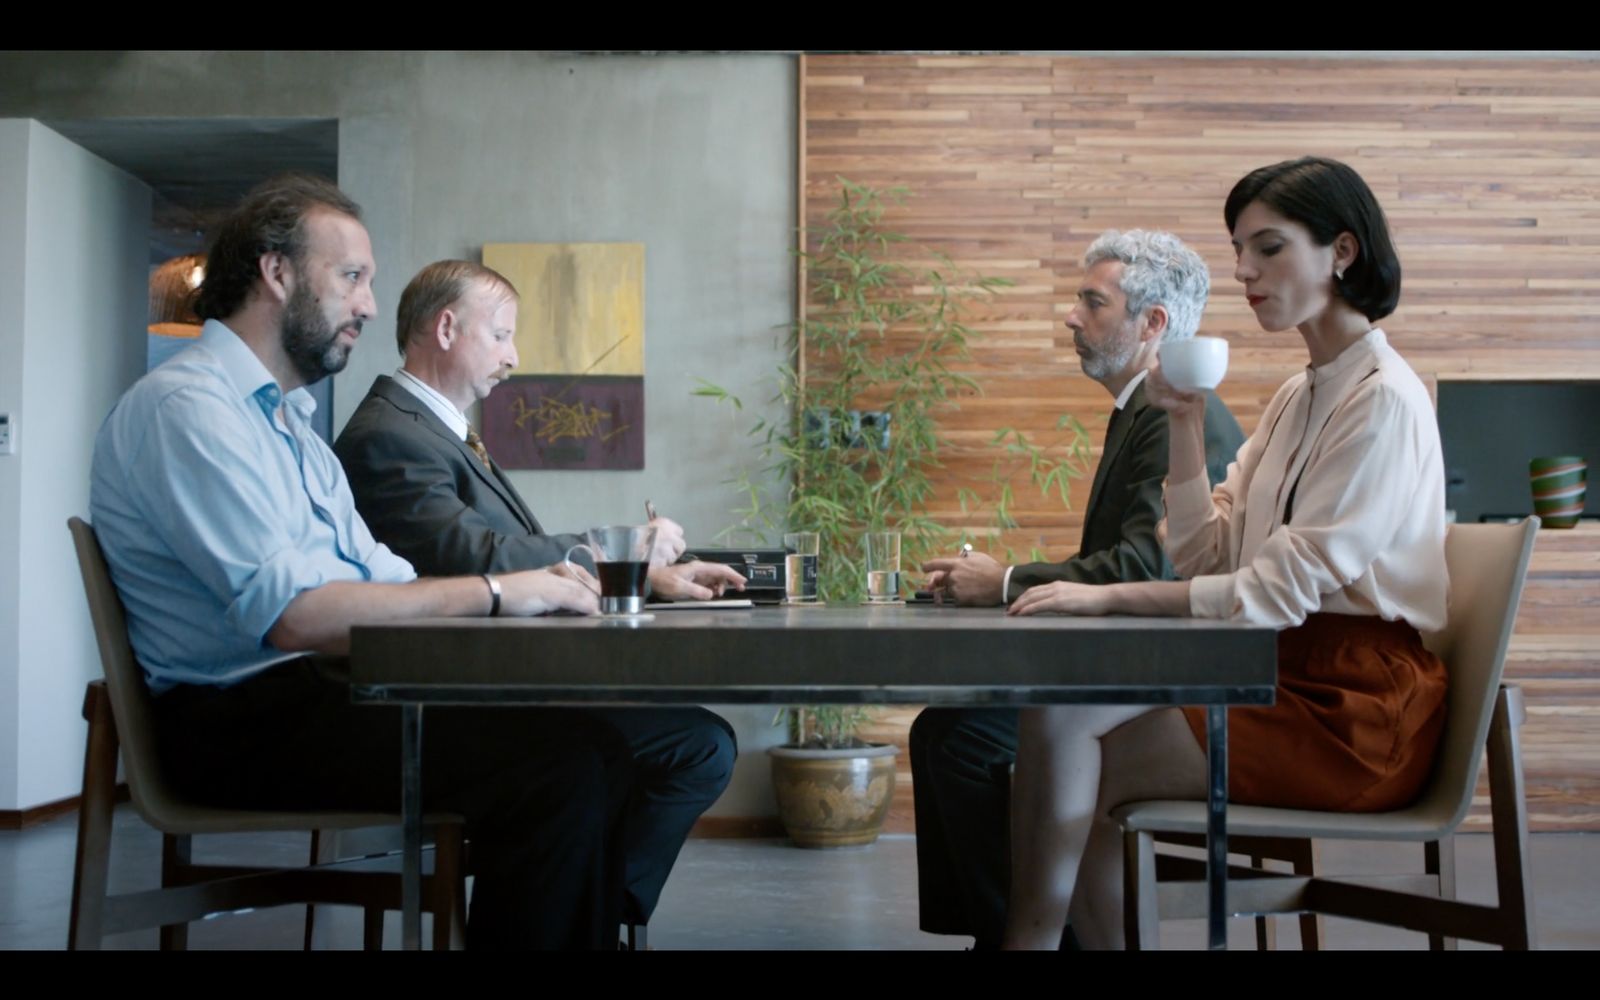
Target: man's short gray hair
<point>1159,269</point>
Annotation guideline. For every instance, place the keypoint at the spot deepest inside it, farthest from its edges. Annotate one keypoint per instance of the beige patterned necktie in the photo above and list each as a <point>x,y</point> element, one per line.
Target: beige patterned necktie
<point>476,444</point>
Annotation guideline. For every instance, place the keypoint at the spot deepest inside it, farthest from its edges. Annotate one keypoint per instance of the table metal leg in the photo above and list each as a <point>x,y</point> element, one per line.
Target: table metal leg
<point>1217,827</point>
<point>411,812</point>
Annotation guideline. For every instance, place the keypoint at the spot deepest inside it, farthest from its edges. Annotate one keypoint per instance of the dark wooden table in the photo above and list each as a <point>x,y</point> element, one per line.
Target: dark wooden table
<point>842,655</point>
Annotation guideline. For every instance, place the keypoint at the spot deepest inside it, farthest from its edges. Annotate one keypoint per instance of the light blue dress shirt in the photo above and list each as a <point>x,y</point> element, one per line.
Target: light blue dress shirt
<point>216,504</point>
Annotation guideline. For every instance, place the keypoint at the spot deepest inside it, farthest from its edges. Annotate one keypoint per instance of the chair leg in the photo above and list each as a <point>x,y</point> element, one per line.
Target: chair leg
<point>1509,809</point>
<point>449,882</point>
<point>1304,861</point>
<point>1141,919</point>
<point>92,863</point>
<point>1439,858</point>
<point>1266,924</point>
<point>372,928</point>
<point>324,848</point>
<point>175,856</point>
<point>637,937</point>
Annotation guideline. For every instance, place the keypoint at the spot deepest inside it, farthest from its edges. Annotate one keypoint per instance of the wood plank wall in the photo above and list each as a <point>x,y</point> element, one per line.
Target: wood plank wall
<point>1489,171</point>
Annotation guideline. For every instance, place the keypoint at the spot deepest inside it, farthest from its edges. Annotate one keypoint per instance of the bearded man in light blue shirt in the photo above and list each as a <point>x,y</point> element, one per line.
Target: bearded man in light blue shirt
<point>233,539</point>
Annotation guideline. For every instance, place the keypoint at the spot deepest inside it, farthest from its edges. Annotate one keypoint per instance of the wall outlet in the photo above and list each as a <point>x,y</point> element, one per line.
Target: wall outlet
<point>8,435</point>
<point>874,423</point>
<point>858,424</point>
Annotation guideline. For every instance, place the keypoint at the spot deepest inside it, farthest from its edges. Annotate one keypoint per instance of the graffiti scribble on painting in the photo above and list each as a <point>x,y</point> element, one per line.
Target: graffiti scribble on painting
<point>566,422</point>
<point>553,420</point>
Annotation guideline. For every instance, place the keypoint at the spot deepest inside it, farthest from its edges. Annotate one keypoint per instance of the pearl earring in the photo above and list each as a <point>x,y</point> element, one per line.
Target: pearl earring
<point>1338,272</point>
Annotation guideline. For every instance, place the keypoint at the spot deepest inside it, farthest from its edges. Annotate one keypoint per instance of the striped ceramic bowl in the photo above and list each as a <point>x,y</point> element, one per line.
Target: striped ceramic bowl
<point>1559,483</point>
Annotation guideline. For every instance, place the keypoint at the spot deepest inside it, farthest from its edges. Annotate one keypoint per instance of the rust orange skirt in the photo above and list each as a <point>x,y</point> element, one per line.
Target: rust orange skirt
<point>1360,707</point>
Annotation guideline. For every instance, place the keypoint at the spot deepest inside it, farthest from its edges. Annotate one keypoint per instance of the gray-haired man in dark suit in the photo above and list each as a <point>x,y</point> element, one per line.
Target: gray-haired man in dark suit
<point>1139,289</point>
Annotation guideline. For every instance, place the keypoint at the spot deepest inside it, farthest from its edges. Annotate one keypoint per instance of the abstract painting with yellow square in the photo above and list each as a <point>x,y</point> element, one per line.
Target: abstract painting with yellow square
<point>576,398</point>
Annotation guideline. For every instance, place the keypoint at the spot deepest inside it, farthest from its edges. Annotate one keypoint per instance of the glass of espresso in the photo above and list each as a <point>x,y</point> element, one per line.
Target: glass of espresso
<point>622,563</point>
<point>883,566</point>
<point>800,567</point>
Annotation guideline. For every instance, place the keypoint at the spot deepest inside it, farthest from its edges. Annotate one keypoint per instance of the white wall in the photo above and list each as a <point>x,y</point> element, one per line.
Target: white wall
<point>84,300</point>
<point>13,228</point>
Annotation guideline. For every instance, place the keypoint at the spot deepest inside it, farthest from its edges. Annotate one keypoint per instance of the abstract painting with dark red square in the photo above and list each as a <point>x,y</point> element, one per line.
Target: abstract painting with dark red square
<point>566,422</point>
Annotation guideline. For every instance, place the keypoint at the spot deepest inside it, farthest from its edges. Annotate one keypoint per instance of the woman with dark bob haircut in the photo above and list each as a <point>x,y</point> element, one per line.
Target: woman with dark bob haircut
<point>1329,526</point>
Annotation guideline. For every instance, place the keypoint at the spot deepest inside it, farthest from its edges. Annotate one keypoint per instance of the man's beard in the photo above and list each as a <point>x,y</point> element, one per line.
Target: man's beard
<point>1105,362</point>
<point>312,345</point>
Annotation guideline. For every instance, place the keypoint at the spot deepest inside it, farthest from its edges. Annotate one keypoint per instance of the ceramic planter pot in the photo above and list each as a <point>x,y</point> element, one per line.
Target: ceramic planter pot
<point>833,798</point>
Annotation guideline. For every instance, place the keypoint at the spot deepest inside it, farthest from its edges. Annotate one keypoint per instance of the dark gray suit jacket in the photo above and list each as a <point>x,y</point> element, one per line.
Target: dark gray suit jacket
<point>1119,542</point>
<point>424,493</point>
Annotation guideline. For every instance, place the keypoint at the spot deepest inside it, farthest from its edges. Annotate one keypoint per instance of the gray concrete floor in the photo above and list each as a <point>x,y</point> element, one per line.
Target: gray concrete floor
<point>750,894</point>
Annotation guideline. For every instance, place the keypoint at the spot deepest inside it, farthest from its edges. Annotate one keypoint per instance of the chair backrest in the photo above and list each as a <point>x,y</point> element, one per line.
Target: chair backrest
<point>1487,564</point>
<point>130,699</point>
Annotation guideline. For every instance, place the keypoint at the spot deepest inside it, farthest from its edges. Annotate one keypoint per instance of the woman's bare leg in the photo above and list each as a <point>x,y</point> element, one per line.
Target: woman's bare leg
<point>1154,756</point>
<point>1053,800</point>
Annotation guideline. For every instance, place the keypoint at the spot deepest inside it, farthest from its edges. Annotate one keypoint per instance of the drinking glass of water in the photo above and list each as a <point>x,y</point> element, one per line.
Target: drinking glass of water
<point>800,567</point>
<point>883,566</point>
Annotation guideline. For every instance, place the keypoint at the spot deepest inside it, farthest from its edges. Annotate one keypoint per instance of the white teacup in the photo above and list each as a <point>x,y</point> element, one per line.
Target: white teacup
<point>1194,364</point>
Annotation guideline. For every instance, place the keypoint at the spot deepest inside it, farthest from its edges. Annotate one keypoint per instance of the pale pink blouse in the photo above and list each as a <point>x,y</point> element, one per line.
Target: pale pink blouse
<point>1354,447</point>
